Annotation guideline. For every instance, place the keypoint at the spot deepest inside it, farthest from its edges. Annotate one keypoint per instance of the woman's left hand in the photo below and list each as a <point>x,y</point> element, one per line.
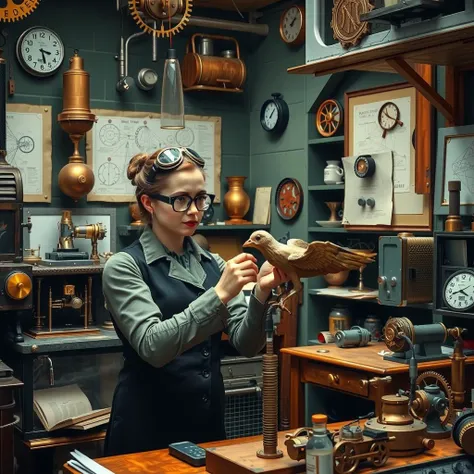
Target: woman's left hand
<point>269,277</point>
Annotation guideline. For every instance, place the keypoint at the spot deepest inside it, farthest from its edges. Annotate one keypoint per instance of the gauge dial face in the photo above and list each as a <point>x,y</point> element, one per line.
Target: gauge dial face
<point>289,199</point>
<point>458,291</point>
<point>389,116</point>
<point>291,24</point>
<point>270,116</point>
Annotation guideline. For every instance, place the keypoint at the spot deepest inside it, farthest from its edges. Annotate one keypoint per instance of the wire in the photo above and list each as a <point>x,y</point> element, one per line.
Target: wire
<point>237,9</point>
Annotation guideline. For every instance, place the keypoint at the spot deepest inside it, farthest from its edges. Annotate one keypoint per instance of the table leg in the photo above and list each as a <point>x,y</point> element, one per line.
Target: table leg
<point>297,407</point>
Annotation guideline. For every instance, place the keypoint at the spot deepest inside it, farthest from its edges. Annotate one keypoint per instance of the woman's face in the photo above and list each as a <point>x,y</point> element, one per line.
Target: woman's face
<point>189,181</point>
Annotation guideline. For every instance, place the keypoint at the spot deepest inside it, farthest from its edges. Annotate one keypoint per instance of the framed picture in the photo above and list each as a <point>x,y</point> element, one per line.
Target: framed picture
<point>366,132</point>
<point>455,162</point>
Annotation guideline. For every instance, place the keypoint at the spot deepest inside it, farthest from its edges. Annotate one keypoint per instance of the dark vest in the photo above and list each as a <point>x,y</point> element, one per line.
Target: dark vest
<point>181,401</point>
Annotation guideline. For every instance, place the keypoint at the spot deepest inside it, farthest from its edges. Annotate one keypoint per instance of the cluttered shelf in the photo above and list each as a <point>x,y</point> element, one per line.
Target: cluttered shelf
<point>133,230</point>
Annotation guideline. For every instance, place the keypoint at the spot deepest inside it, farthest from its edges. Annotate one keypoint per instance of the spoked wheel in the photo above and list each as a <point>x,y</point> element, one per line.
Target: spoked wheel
<point>328,118</point>
<point>344,461</point>
<point>379,453</point>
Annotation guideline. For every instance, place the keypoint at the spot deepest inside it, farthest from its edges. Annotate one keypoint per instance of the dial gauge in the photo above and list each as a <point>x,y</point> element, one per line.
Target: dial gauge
<point>40,51</point>
<point>274,114</point>
<point>389,117</point>
<point>458,292</point>
<point>289,198</point>
<point>292,25</point>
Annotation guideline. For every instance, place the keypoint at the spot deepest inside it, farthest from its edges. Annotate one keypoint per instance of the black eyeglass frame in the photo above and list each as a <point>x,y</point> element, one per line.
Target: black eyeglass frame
<point>160,166</point>
<point>171,200</point>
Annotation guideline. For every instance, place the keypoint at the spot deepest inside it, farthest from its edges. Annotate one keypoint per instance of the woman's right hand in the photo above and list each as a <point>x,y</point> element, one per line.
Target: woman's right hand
<point>238,271</point>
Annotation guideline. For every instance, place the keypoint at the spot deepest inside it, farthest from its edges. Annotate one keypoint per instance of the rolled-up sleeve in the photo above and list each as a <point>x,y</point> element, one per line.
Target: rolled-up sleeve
<point>245,323</point>
<point>157,341</point>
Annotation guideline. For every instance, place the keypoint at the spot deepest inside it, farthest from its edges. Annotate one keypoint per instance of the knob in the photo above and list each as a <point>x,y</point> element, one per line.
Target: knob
<point>382,281</point>
<point>428,443</point>
<point>363,383</point>
<point>371,202</point>
<point>18,285</point>
<point>393,282</point>
<point>361,202</point>
<point>333,379</point>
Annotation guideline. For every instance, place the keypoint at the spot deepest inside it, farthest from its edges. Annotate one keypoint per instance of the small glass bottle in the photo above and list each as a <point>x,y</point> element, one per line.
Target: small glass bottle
<point>319,450</point>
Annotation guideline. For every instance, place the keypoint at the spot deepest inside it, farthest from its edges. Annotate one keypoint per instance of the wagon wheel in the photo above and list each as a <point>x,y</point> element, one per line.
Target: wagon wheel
<point>344,463</point>
<point>380,453</point>
<point>328,118</point>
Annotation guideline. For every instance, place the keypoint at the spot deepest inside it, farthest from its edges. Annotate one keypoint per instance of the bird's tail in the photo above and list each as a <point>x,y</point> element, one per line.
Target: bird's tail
<point>354,259</point>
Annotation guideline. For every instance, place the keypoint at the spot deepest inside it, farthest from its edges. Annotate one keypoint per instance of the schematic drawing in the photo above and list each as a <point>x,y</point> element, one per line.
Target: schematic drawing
<point>463,168</point>
<point>185,137</point>
<point>23,145</point>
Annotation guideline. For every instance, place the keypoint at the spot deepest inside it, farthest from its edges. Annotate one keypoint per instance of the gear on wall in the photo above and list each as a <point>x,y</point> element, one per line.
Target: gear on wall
<point>17,11</point>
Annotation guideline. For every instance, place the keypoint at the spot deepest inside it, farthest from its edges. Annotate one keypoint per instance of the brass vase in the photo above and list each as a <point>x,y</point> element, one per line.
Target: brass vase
<point>236,201</point>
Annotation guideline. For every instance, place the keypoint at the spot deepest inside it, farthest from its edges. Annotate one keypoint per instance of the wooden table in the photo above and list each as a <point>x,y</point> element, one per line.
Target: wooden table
<point>356,371</point>
<point>160,462</point>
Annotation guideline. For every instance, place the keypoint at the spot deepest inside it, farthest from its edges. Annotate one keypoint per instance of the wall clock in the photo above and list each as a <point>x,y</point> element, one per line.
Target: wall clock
<point>389,117</point>
<point>292,25</point>
<point>40,51</point>
<point>458,290</point>
<point>289,198</point>
<point>346,25</point>
<point>274,114</point>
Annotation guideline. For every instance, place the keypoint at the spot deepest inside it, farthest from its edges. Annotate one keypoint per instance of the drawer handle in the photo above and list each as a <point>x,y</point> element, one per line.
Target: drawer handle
<point>333,379</point>
<point>243,390</point>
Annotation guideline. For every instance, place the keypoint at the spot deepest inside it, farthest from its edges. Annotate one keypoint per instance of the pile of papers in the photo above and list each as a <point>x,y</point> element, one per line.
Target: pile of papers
<point>85,465</point>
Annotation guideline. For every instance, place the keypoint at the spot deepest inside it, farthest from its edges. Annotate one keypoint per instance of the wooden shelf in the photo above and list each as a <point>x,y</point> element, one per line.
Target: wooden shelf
<point>326,187</point>
<point>327,140</point>
<point>328,230</point>
<point>450,47</point>
<point>133,230</point>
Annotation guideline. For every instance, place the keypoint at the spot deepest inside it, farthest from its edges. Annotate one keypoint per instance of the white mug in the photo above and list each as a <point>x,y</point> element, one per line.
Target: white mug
<point>333,173</point>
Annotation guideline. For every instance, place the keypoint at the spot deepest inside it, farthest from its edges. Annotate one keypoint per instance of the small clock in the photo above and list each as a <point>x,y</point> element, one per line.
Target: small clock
<point>292,25</point>
<point>458,290</point>
<point>40,51</point>
<point>274,114</point>
<point>289,198</point>
<point>389,117</point>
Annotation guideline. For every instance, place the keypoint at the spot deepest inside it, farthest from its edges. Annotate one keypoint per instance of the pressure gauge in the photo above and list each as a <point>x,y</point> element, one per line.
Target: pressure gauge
<point>147,79</point>
<point>364,166</point>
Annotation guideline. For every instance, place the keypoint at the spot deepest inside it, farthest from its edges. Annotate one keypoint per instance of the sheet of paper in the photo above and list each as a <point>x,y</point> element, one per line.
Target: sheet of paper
<point>261,213</point>
<point>25,149</point>
<point>378,187</point>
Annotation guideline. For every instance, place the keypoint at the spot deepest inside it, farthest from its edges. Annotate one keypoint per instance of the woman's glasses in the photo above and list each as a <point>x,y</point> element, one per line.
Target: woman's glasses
<point>183,202</point>
<point>171,158</point>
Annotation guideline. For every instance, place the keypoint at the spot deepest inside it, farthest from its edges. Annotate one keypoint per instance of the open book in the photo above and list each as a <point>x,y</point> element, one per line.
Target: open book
<point>67,407</point>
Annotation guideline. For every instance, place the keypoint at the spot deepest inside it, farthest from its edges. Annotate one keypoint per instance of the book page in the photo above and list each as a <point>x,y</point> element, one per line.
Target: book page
<point>57,404</point>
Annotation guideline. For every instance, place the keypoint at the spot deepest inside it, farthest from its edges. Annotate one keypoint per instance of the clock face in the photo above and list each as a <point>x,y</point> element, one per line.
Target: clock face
<point>389,115</point>
<point>458,291</point>
<point>289,198</point>
<point>270,115</point>
<point>291,24</point>
<point>40,51</point>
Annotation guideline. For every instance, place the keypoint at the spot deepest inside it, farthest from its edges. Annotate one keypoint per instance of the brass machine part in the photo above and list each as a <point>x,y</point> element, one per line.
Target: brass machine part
<point>466,438</point>
<point>352,446</point>
<point>69,300</point>
<point>18,285</point>
<point>270,405</point>
<point>379,385</point>
<point>33,256</point>
<point>161,9</point>
<point>434,389</point>
<point>296,443</point>
<point>201,72</point>
<point>458,375</point>
<point>453,221</point>
<point>395,420</point>
<point>76,179</point>
<point>94,232</point>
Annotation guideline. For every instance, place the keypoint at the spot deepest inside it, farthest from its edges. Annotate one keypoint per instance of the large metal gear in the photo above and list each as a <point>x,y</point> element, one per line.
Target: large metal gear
<point>160,32</point>
<point>17,11</point>
<point>433,378</point>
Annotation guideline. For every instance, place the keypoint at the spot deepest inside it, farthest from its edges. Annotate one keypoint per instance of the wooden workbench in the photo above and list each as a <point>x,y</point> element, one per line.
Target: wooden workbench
<point>354,371</point>
<point>160,462</point>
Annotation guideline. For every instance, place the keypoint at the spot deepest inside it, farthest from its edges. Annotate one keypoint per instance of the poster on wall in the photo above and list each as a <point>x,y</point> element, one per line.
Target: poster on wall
<point>29,148</point>
<point>117,136</point>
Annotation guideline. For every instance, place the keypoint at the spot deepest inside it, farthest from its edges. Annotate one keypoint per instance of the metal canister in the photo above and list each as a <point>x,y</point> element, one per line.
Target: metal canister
<point>374,326</point>
<point>206,47</point>
<point>339,319</point>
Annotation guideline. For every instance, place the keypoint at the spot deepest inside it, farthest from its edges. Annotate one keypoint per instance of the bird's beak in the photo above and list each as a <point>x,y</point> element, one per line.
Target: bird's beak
<point>248,243</point>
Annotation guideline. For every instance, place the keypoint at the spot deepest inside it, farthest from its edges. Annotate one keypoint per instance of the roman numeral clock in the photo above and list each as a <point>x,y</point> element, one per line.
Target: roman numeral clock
<point>346,25</point>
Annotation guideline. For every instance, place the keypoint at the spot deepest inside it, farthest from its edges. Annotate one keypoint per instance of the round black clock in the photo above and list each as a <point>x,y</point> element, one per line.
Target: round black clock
<point>274,114</point>
<point>458,291</point>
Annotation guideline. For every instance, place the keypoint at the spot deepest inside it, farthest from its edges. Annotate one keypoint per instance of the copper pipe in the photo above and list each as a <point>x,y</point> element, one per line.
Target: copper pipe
<point>458,362</point>
<point>38,305</point>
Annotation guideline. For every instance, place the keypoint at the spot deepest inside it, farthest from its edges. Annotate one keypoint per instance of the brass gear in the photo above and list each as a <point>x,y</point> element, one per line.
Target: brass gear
<point>17,11</point>
<point>162,32</point>
<point>444,385</point>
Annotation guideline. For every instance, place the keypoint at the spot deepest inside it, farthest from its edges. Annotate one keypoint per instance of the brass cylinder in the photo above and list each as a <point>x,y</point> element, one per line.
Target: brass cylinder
<point>458,385</point>
<point>394,411</point>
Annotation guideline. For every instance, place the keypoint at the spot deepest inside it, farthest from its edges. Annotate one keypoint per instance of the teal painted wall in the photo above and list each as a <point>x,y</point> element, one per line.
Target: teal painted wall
<point>94,27</point>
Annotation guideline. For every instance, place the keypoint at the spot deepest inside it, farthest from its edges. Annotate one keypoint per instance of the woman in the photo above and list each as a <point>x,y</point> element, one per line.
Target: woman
<point>170,300</point>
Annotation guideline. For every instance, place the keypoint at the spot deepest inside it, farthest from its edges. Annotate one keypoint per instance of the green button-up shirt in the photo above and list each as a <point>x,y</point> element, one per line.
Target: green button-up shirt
<point>158,341</point>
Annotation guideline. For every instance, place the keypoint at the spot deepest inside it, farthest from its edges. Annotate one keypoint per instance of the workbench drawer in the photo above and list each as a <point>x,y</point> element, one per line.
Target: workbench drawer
<point>335,377</point>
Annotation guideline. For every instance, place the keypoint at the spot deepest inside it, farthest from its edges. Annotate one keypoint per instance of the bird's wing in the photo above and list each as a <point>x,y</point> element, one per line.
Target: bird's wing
<point>321,258</point>
<point>297,243</point>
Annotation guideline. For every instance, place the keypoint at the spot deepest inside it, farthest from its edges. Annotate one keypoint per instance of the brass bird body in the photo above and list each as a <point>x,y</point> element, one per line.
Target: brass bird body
<point>300,259</point>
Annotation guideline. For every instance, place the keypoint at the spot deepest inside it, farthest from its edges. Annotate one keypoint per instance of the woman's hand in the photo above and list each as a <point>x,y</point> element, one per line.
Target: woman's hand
<point>238,271</point>
<point>268,277</point>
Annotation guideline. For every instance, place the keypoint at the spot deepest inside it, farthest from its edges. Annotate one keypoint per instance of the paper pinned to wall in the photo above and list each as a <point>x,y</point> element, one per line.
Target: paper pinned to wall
<point>378,187</point>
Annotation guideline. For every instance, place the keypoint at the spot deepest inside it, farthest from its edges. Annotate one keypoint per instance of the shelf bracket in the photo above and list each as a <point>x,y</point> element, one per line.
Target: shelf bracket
<point>428,91</point>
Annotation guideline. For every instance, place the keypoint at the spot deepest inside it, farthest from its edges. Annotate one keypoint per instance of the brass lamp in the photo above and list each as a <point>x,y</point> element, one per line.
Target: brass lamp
<point>76,179</point>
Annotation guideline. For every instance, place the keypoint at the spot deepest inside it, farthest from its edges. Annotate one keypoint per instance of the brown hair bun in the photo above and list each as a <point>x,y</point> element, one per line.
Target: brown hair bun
<point>135,165</point>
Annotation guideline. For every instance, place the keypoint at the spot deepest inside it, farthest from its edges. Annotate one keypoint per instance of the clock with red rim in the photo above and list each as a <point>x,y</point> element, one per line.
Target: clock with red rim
<point>289,198</point>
